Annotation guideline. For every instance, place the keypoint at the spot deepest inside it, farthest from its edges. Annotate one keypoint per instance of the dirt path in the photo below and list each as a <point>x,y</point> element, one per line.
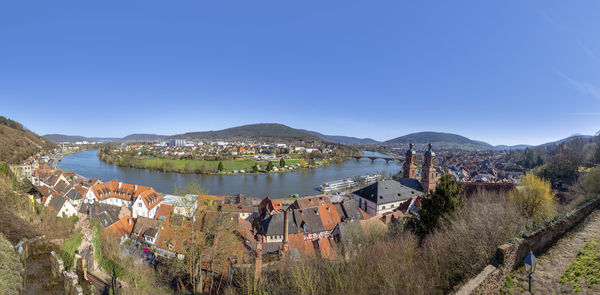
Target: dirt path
<point>552,264</point>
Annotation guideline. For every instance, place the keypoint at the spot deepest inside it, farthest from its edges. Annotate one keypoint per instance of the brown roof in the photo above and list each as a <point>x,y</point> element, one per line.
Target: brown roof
<point>329,216</point>
<point>122,227</point>
<point>127,192</point>
<point>164,211</point>
<point>314,201</point>
<point>179,236</point>
<point>145,226</point>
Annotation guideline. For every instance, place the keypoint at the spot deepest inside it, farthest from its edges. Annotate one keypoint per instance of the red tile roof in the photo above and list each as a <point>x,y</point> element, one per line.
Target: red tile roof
<point>122,227</point>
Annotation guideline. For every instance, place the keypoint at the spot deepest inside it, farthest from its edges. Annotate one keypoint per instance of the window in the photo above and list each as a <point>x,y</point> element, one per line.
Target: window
<point>140,204</point>
<point>170,246</point>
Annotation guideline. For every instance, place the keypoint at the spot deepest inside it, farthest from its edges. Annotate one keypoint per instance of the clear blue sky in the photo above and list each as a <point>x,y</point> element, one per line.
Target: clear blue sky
<point>506,72</point>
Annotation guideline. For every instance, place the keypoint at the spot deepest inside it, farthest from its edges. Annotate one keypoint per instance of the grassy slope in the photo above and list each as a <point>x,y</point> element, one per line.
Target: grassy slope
<point>18,143</point>
<point>10,266</point>
<point>585,266</point>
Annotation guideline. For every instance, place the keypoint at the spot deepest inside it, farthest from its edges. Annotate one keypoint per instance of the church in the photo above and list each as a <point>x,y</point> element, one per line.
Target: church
<point>387,195</point>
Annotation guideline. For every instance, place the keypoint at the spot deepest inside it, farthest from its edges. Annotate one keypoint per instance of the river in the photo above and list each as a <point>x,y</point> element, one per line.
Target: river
<point>275,185</point>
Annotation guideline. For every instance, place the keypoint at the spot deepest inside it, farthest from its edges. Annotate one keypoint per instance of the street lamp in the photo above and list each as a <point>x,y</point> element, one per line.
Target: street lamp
<point>530,262</point>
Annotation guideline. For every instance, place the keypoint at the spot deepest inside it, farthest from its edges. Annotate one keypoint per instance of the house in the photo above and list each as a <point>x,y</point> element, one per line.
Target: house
<point>122,228</point>
<point>312,223</point>
<point>74,195</point>
<point>46,192</point>
<point>141,200</point>
<point>386,195</point>
<point>269,206</point>
<point>185,205</point>
<point>24,171</point>
<point>145,230</point>
<point>175,234</point>
<point>60,206</point>
<point>105,214</point>
<point>146,204</point>
<point>313,201</point>
<point>240,204</point>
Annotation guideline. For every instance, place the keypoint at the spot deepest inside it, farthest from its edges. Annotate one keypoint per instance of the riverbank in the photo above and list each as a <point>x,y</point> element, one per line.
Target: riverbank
<point>209,167</point>
<point>304,182</point>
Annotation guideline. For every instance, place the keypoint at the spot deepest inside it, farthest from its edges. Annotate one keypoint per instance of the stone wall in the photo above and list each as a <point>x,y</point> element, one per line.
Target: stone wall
<point>39,245</point>
<point>510,256</point>
<point>70,279</point>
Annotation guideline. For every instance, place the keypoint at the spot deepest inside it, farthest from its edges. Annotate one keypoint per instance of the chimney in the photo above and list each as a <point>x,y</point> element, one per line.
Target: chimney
<point>285,232</point>
<point>129,221</point>
<point>120,184</point>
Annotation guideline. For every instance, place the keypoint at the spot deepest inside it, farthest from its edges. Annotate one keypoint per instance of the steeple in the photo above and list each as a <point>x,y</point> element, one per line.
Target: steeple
<point>428,179</point>
<point>409,169</point>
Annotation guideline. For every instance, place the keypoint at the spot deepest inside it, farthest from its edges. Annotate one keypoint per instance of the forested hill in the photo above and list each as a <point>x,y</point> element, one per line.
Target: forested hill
<point>17,143</point>
<point>441,140</point>
<point>262,131</point>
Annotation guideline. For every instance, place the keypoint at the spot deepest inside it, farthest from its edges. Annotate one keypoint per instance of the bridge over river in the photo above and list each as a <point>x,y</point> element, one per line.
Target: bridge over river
<point>374,157</point>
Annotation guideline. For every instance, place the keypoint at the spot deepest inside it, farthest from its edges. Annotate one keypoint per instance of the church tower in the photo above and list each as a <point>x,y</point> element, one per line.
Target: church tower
<point>428,173</point>
<point>409,169</point>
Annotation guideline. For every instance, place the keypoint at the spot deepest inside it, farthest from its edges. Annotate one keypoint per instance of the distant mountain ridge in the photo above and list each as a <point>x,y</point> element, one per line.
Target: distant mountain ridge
<point>143,137</point>
<point>279,132</point>
<point>342,139</point>
<point>59,138</point>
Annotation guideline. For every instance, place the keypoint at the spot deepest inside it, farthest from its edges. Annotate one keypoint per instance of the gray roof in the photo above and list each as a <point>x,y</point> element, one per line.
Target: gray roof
<point>74,195</point>
<point>351,210</point>
<point>106,214</point>
<point>389,191</point>
<point>57,202</point>
<point>308,220</point>
<point>273,225</point>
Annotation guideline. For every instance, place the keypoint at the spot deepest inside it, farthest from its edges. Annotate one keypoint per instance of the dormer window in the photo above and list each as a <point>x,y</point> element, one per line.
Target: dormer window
<point>170,246</point>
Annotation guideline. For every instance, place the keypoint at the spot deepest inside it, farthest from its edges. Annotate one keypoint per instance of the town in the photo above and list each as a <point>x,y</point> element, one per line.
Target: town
<point>154,227</point>
<point>223,157</point>
<point>299,148</point>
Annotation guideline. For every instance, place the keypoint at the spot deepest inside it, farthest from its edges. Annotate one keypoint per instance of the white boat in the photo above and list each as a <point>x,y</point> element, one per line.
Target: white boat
<point>338,185</point>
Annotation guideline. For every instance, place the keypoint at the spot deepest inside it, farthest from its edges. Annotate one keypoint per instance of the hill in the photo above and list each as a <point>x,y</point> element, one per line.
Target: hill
<point>512,147</point>
<point>442,140</point>
<point>572,137</point>
<point>262,131</point>
<point>17,143</point>
<point>341,139</point>
<point>59,138</point>
<point>143,137</point>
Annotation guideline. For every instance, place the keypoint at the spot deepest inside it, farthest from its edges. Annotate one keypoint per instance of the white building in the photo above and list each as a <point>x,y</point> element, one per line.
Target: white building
<point>141,200</point>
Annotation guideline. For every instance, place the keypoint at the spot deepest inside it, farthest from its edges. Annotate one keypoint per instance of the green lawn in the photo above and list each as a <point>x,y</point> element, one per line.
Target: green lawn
<point>585,266</point>
<point>202,165</point>
<point>67,251</point>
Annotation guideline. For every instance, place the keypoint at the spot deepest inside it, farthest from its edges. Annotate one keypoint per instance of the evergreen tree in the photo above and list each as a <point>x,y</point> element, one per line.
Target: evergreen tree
<point>438,206</point>
<point>255,167</point>
<point>270,166</point>
<point>220,167</point>
<point>281,163</point>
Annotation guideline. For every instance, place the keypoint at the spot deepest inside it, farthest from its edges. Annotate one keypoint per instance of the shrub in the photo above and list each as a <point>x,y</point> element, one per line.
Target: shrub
<point>67,251</point>
<point>534,196</point>
<point>108,265</point>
